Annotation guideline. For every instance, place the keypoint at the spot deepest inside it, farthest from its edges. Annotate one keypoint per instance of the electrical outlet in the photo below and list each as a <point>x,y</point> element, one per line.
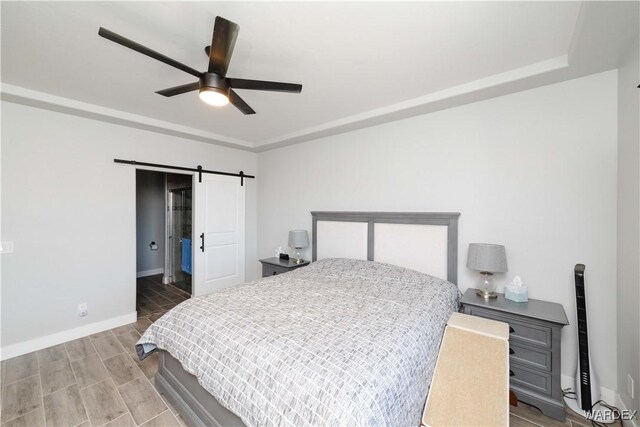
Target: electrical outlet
<point>631,386</point>
<point>82,309</point>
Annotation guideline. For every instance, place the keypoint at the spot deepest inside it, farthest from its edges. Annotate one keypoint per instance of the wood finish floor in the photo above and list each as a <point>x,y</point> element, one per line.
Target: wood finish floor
<point>153,299</point>
<point>93,381</point>
<point>99,381</point>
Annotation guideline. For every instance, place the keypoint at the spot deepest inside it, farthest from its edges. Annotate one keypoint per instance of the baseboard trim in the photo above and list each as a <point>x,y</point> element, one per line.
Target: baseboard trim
<point>146,273</point>
<point>606,394</point>
<point>610,396</point>
<point>626,423</point>
<point>24,347</point>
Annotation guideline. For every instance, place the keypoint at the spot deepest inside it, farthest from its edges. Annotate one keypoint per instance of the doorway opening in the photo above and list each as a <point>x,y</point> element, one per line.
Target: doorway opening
<point>164,241</point>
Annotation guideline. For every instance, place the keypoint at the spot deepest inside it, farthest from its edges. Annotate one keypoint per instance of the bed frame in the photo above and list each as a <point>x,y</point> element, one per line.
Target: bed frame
<point>427,242</point>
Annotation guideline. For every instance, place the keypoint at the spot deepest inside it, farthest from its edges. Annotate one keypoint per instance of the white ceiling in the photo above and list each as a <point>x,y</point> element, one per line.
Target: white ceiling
<point>361,63</point>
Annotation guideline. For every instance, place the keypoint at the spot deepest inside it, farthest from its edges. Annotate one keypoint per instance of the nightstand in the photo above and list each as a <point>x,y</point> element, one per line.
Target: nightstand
<point>273,266</point>
<point>534,346</point>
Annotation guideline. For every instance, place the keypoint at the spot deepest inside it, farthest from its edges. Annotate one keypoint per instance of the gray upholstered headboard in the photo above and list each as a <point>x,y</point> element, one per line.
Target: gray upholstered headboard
<point>423,241</point>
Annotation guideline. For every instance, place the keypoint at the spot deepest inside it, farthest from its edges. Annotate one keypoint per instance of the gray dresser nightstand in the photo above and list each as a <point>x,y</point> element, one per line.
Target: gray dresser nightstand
<point>534,346</point>
<point>273,266</point>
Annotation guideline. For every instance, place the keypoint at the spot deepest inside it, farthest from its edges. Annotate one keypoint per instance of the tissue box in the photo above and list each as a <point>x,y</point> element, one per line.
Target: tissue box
<point>516,294</point>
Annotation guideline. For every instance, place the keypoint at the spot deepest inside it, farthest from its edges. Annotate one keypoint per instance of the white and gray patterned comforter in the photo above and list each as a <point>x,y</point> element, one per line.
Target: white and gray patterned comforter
<point>340,342</point>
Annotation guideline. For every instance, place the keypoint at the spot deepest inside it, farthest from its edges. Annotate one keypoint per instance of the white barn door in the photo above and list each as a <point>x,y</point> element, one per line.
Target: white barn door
<point>218,247</point>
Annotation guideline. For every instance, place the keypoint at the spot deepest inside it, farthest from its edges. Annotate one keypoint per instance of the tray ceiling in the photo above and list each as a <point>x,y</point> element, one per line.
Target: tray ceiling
<point>360,63</point>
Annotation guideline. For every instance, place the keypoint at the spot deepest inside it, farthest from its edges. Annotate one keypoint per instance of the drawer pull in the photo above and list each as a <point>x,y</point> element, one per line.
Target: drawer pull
<point>511,351</point>
<point>511,373</point>
<point>511,330</point>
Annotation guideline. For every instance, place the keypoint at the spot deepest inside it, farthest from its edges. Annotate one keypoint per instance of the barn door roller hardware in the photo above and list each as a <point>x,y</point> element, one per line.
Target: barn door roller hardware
<point>198,169</point>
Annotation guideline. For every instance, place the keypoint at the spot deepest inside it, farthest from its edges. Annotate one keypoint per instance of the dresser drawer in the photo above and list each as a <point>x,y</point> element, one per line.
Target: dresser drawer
<point>272,270</point>
<point>529,356</point>
<point>527,333</point>
<point>530,379</point>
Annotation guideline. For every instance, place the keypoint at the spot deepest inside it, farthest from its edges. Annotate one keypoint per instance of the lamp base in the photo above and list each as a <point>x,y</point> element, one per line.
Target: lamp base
<point>485,294</point>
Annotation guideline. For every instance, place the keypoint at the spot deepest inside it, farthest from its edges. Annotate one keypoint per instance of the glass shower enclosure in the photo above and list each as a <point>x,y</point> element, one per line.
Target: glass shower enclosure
<point>179,231</point>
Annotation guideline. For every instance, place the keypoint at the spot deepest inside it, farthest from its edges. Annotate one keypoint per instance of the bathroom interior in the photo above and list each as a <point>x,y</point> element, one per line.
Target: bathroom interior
<point>163,241</point>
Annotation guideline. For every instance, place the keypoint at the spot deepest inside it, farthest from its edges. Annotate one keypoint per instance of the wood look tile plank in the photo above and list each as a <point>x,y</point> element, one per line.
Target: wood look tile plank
<point>122,369</point>
<point>166,419</point>
<point>31,419</point>
<point>142,324</point>
<point>148,305</point>
<point>89,371</point>
<point>155,316</point>
<point>64,408</point>
<point>56,375</point>
<point>101,334</point>
<point>142,400</point>
<point>129,340</point>
<point>533,415</point>
<point>177,298</point>
<point>515,421</point>
<point>107,346</point>
<point>80,349</point>
<point>122,329</point>
<point>123,421</point>
<point>159,300</point>
<point>19,368</point>
<point>577,424</point>
<point>20,398</point>
<point>149,366</point>
<point>52,354</point>
<point>102,402</point>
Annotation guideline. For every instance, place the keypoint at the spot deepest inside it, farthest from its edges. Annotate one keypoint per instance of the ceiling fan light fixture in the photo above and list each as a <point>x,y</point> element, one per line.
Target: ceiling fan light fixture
<point>213,96</point>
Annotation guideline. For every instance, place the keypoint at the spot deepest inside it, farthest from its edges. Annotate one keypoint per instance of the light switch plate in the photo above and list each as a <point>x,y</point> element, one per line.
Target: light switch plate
<point>6,247</point>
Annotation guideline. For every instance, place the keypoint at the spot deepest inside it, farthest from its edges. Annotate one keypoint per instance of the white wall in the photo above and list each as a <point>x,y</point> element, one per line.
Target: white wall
<point>628,313</point>
<point>72,214</point>
<point>151,207</point>
<point>535,171</point>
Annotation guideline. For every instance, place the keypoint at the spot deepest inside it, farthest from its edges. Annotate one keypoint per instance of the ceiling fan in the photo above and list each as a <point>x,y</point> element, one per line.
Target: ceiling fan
<point>214,87</point>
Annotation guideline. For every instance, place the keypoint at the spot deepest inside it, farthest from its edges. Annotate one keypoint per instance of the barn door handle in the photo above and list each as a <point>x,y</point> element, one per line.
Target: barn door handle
<point>202,240</point>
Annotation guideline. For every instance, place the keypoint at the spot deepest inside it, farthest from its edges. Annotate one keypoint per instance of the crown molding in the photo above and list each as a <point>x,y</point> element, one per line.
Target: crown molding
<point>496,85</point>
<point>32,98</point>
<point>534,75</point>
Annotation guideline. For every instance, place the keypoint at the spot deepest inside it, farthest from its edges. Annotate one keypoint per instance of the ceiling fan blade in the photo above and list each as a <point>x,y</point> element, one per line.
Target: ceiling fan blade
<point>239,103</point>
<point>110,35</point>
<point>263,85</point>
<point>177,90</point>
<point>224,38</point>
<point>225,33</point>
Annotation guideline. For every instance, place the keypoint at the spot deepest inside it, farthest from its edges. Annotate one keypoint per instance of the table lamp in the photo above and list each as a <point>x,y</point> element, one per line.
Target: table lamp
<point>298,239</point>
<point>487,259</point>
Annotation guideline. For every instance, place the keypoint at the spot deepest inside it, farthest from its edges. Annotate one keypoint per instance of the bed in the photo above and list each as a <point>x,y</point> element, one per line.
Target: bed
<point>348,340</point>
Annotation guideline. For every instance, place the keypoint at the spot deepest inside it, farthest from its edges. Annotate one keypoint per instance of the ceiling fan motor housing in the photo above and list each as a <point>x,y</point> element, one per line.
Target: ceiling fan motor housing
<point>214,81</point>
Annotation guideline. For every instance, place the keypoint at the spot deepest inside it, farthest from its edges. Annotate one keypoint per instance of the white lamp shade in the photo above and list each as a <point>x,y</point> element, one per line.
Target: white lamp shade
<point>298,239</point>
<point>487,257</point>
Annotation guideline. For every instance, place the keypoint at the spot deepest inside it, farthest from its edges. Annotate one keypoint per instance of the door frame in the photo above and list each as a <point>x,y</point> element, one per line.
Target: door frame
<point>166,204</point>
